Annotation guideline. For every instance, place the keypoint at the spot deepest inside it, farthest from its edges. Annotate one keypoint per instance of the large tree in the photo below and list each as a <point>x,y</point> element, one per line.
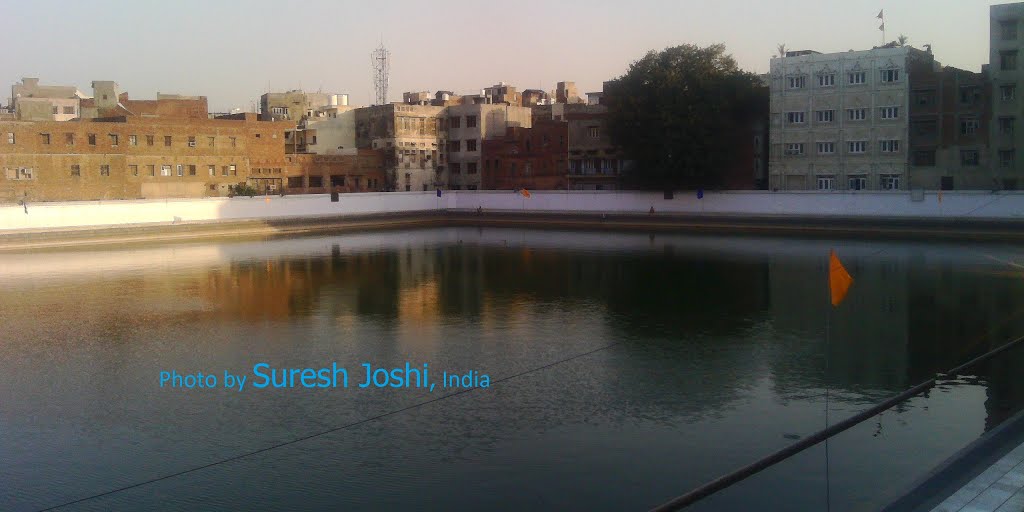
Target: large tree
<point>676,113</point>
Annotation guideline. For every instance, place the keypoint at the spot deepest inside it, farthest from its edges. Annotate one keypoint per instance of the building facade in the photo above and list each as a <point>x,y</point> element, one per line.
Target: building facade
<point>411,139</point>
<point>131,157</point>
<point>467,126</point>
<point>33,102</point>
<point>533,158</point>
<point>297,104</point>
<point>1006,49</point>
<point>840,121</point>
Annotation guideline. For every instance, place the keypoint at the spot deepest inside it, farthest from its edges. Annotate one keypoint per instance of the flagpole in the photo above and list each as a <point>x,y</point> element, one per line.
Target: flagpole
<point>828,481</point>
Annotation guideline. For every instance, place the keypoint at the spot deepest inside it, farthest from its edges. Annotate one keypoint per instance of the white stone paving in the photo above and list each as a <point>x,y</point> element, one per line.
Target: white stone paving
<point>1000,488</point>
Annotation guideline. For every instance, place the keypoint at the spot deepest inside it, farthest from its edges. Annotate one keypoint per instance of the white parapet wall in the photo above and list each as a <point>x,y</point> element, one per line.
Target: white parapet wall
<point>951,205</point>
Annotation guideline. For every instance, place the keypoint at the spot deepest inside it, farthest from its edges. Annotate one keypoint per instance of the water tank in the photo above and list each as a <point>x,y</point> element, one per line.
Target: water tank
<point>344,100</point>
<point>333,99</point>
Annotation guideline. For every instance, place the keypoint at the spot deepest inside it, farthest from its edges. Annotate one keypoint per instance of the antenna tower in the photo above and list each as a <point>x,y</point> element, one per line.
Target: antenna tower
<point>381,60</point>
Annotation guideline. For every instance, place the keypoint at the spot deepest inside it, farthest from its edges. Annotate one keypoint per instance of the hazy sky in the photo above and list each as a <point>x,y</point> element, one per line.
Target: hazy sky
<point>232,51</point>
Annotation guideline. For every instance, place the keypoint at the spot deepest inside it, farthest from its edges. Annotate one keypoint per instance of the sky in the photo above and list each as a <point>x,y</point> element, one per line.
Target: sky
<point>234,51</point>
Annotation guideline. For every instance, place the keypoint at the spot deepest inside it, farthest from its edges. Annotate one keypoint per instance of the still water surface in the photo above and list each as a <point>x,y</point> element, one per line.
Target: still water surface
<point>713,354</point>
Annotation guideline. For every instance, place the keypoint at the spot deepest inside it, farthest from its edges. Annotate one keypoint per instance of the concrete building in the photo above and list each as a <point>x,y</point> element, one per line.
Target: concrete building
<point>840,121</point>
<point>1006,49</point>
<point>297,104</point>
<point>565,92</point>
<point>593,162</point>
<point>109,102</point>
<point>33,102</point>
<point>411,139</point>
<point>949,135</point>
<point>532,158</point>
<point>334,133</point>
<point>467,126</point>
<point>136,157</point>
<point>503,93</point>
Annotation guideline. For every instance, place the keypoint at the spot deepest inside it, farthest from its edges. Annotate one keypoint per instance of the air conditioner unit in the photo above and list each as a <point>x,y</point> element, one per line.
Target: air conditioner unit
<point>191,143</point>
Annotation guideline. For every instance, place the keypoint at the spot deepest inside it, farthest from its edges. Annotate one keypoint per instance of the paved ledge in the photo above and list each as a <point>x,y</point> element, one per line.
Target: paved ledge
<point>901,228</point>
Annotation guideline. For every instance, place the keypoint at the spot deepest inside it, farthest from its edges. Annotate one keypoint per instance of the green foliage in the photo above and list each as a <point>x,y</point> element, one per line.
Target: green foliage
<point>676,113</point>
<point>243,189</point>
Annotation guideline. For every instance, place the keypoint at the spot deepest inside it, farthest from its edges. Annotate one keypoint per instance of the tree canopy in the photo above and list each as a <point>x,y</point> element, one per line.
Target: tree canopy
<point>676,113</point>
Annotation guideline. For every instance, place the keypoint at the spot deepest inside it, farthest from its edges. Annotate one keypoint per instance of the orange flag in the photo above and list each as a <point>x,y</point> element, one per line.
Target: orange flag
<point>525,193</point>
<point>839,279</point>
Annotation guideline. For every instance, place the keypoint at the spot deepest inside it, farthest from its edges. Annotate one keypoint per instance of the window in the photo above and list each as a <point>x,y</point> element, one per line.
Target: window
<point>858,146</point>
<point>827,80</point>
<point>233,169</point>
<point>69,111</point>
<point>968,126</point>
<point>858,77</point>
<point>825,116</point>
<point>1007,157</point>
<point>151,169</point>
<point>857,182</point>
<point>212,169</point>
<point>797,82</point>
<point>594,132</point>
<point>133,140</point>
<point>890,181</point>
<point>471,168</point>
<point>1008,30</point>
<point>295,182</point>
<point>1006,125</point>
<point>826,182</point>
<point>134,170</point>
<point>20,173</point>
<point>794,117</point>
<point>69,139</point>
<point>924,158</point>
<point>890,75</point>
<point>191,141</point>
<point>279,110</point>
<point>167,141</point>
<point>44,138</point>
<point>794,149</point>
<point>471,145</point>
<point>470,121</point>
<point>76,170</point>
<point>92,139</point>
<point>890,112</point>
<point>165,170</point>
<point>455,168</point>
<point>224,170</point>
<point>233,141</point>
<point>113,140</point>
<point>10,137</point>
<point>316,181</point>
<point>826,148</point>
<point>54,111</point>
<point>104,170</point>
<point>149,140</point>
<point>889,146</point>
<point>454,146</point>
<point>455,122</point>
<point>1008,60</point>
<point>191,170</point>
<point>210,141</point>
<point>969,157</point>
<point>857,114</point>
<point>1008,92</point>
<point>924,98</point>
<point>181,170</point>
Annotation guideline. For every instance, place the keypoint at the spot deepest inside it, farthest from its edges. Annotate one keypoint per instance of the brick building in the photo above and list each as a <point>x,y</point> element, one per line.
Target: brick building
<point>136,157</point>
<point>361,171</point>
<point>531,158</point>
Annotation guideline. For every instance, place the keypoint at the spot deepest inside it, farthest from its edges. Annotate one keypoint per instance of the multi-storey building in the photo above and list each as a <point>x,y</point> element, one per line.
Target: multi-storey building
<point>136,157</point>
<point>467,126</point>
<point>840,120</point>
<point>1006,50</point>
<point>411,139</point>
<point>109,102</point>
<point>949,118</point>
<point>530,158</point>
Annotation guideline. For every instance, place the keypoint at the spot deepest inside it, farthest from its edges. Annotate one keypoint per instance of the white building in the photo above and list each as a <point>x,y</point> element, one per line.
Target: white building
<point>468,125</point>
<point>1006,70</point>
<point>839,121</point>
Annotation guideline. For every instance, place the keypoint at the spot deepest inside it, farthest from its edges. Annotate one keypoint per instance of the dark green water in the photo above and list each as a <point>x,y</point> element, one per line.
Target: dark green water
<point>712,354</point>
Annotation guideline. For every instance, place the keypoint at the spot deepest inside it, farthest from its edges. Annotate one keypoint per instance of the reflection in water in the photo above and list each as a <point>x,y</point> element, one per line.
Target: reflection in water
<point>718,357</point>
